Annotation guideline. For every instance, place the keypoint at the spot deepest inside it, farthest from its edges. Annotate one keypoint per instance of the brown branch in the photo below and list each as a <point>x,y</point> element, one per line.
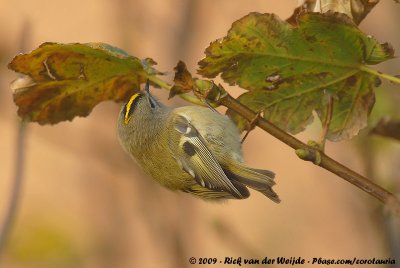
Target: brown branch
<point>17,180</point>
<point>387,128</point>
<point>317,157</point>
<point>15,195</point>
<point>311,152</point>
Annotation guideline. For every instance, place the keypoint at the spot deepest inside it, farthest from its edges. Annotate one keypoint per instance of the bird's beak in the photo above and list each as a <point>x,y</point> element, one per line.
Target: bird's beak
<point>146,90</point>
<point>147,87</point>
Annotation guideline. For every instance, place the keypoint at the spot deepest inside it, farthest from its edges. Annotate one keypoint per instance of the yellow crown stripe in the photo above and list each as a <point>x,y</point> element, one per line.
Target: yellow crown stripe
<point>129,105</point>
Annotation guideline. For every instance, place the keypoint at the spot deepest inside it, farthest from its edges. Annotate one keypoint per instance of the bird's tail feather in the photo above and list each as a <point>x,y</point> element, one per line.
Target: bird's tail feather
<point>257,179</point>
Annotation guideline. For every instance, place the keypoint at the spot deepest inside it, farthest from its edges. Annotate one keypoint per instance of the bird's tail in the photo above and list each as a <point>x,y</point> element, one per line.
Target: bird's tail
<point>257,179</point>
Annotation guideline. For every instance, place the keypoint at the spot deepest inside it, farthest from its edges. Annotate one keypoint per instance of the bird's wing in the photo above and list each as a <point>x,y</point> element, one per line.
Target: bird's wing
<point>191,151</point>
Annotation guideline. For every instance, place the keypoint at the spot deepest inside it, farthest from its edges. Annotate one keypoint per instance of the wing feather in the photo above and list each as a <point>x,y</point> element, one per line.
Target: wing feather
<point>195,158</point>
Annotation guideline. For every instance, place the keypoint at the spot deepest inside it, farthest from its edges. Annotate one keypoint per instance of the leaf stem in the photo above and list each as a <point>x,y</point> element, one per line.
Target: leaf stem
<point>325,161</point>
<point>186,97</point>
<point>326,123</point>
<point>389,77</point>
<point>159,82</point>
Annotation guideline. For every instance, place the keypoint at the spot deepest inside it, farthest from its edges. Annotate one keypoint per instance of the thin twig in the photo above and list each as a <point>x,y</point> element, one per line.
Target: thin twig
<point>185,96</point>
<point>251,126</point>
<point>16,187</point>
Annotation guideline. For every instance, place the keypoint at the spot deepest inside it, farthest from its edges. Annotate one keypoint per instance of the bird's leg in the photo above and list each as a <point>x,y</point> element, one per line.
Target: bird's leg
<point>209,105</point>
<point>251,125</point>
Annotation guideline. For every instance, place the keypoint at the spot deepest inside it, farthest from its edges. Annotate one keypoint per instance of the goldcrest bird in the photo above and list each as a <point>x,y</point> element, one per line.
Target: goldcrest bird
<point>192,149</point>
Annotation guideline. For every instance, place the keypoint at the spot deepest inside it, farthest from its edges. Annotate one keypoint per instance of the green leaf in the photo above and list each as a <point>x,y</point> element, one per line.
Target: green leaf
<point>291,71</point>
<point>61,81</point>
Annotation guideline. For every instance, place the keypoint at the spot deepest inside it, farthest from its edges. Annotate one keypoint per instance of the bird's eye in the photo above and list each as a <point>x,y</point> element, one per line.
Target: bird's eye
<point>130,107</point>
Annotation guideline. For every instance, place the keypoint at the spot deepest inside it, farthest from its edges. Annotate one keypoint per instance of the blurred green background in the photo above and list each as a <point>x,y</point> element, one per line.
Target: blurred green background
<point>85,203</point>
